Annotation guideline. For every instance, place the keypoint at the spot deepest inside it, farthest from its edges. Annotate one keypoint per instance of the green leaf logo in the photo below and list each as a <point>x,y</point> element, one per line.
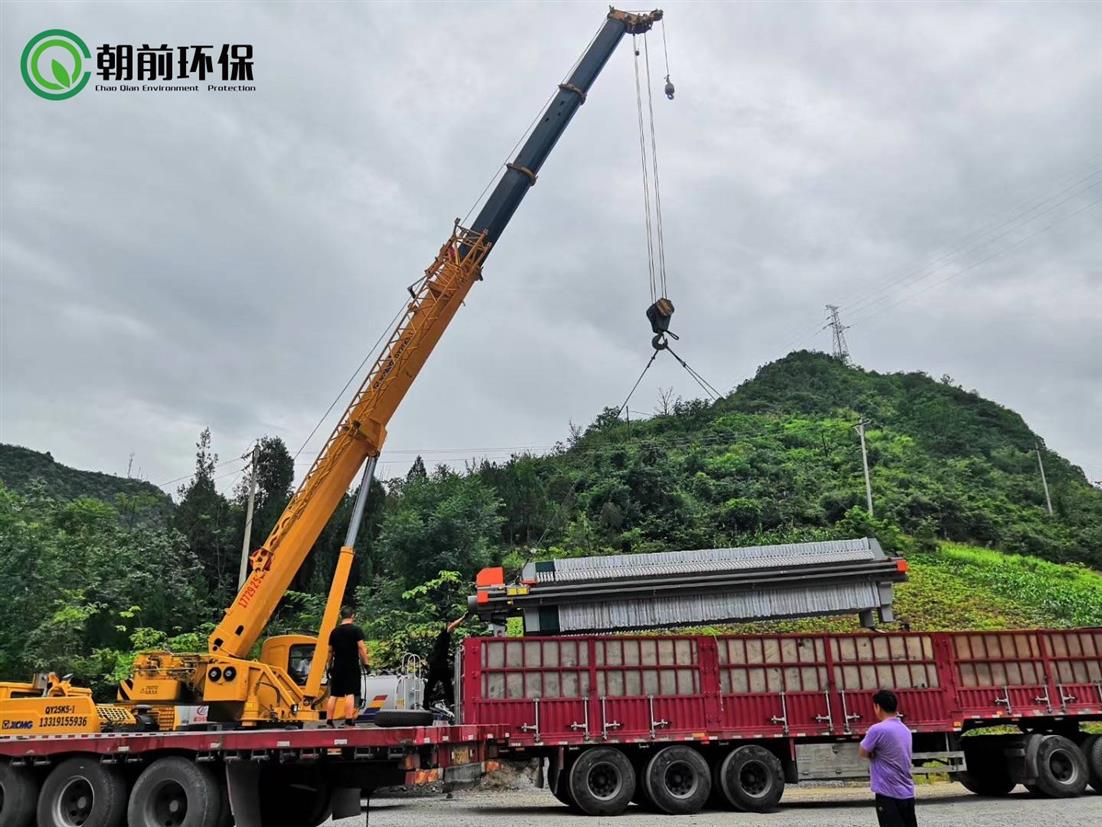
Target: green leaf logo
<point>53,64</point>
<point>61,74</point>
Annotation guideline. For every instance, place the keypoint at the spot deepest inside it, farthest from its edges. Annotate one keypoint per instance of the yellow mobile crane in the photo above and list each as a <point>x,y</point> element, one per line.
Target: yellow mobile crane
<point>234,687</point>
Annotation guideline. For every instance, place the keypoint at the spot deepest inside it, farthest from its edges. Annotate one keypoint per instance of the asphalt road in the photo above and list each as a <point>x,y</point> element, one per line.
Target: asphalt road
<point>941,805</point>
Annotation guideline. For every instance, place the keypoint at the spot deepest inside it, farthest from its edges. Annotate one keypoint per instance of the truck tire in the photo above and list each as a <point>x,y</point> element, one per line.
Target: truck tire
<point>993,784</point>
<point>1061,769</point>
<point>18,796</point>
<point>677,780</point>
<point>1092,751</point>
<point>751,779</point>
<point>602,781</point>
<point>294,797</point>
<point>403,717</point>
<point>175,792</point>
<point>82,792</point>
<point>558,781</point>
<point>562,792</point>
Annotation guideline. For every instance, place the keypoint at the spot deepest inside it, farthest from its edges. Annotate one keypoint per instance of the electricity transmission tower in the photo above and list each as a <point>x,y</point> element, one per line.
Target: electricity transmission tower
<point>840,349</point>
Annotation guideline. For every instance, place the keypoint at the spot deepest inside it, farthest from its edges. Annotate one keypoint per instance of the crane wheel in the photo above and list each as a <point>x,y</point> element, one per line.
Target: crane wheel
<point>175,792</point>
<point>18,796</point>
<point>677,780</point>
<point>602,781</point>
<point>751,779</point>
<point>82,792</point>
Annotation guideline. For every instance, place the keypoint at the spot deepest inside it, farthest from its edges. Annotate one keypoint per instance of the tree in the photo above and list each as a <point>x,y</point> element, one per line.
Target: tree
<point>417,470</point>
<point>445,522</point>
<point>275,474</point>
<point>203,517</point>
<point>666,401</point>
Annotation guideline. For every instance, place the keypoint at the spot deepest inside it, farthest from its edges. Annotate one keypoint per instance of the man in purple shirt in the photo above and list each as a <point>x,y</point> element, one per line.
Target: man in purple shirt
<point>887,746</point>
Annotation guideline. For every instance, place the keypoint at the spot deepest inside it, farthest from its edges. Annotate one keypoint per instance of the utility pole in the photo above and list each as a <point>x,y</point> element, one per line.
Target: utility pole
<point>247,542</point>
<point>839,350</point>
<point>860,428</point>
<point>1044,482</point>
<point>129,464</point>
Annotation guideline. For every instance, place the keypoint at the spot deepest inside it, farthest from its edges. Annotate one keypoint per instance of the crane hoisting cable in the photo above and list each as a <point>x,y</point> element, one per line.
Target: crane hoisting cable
<point>661,308</point>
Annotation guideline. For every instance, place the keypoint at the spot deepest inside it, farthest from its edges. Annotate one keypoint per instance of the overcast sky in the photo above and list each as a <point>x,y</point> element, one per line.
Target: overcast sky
<point>181,260</point>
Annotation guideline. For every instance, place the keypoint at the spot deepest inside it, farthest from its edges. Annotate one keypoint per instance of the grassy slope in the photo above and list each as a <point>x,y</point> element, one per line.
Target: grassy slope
<point>961,587</point>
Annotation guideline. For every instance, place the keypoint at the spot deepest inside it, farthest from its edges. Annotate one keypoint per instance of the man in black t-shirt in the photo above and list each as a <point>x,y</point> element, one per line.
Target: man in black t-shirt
<point>347,651</point>
<point>440,667</point>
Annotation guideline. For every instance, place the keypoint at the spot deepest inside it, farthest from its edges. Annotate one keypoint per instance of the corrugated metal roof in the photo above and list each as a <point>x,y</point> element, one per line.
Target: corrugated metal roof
<point>666,563</point>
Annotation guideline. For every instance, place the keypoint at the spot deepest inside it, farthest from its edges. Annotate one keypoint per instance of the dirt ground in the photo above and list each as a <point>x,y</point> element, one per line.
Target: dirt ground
<point>943,805</point>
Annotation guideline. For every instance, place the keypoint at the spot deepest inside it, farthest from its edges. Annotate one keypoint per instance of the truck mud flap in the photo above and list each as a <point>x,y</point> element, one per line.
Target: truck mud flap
<point>346,802</point>
<point>243,783</point>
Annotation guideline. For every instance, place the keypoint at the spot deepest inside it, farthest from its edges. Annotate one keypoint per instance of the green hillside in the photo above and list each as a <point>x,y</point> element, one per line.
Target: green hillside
<point>961,587</point>
<point>778,459</point>
<point>92,576</point>
<point>22,469</point>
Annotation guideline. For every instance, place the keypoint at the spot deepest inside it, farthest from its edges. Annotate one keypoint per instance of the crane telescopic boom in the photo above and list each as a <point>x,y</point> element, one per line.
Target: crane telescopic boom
<point>361,431</point>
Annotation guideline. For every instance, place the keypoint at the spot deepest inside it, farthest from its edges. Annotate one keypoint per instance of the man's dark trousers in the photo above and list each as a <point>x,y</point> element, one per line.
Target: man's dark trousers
<point>895,812</point>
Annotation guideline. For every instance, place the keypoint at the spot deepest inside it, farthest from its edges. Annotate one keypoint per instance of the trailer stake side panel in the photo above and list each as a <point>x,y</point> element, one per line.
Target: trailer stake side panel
<point>553,691</point>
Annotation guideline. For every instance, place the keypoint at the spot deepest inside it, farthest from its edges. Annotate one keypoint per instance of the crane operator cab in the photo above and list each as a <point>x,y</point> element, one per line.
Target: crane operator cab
<point>384,698</point>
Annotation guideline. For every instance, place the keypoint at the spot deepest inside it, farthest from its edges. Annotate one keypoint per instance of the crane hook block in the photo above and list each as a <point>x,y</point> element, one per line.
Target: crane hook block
<point>658,314</point>
<point>669,88</point>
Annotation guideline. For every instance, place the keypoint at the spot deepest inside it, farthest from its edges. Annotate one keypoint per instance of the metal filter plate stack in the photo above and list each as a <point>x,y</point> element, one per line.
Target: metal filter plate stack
<point>687,588</point>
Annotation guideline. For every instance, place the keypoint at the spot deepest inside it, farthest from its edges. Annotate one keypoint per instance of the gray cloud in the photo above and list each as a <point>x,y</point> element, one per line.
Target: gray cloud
<point>171,262</point>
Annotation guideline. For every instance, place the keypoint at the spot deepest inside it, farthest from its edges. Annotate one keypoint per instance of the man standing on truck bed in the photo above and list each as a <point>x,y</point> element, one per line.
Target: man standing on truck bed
<point>440,669</point>
<point>347,651</point>
<point>887,746</point>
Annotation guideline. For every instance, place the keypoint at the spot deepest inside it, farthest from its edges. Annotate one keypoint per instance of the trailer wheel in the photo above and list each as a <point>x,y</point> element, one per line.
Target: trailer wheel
<point>751,778</point>
<point>1061,768</point>
<point>993,784</point>
<point>602,781</point>
<point>1092,751</point>
<point>558,780</point>
<point>82,792</point>
<point>175,792</point>
<point>294,798</point>
<point>677,780</point>
<point>18,796</point>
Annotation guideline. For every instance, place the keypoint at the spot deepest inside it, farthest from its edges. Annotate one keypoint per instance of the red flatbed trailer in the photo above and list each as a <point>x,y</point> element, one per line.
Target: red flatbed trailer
<point>771,708</point>
<point>658,719</point>
<point>292,777</point>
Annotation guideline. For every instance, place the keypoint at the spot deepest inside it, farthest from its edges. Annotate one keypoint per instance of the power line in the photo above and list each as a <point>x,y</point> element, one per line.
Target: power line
<point>1023,213</point>
<point>974,265</point>
<point>873,301</point>
<point>970,240</point>
<point>385,334</point>
<point>192,474</point>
